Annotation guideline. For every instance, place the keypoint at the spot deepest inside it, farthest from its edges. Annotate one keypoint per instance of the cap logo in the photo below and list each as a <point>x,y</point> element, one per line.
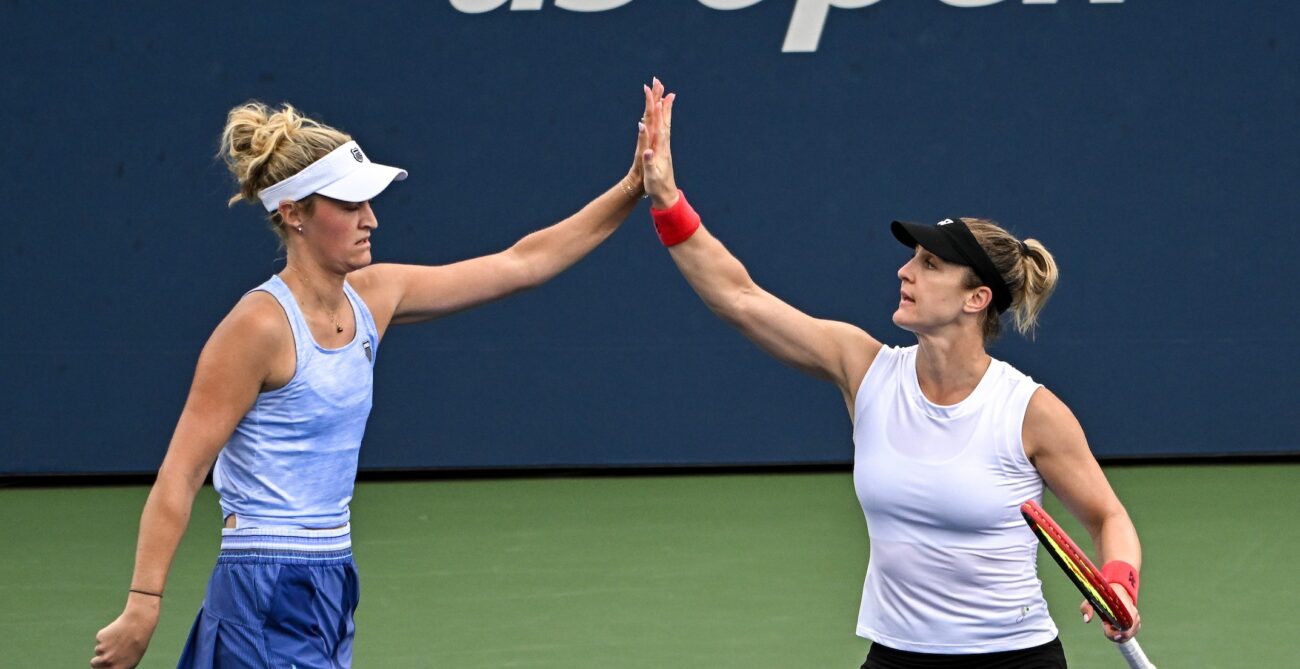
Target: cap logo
<point>356,153</point>
<point>945,221</point>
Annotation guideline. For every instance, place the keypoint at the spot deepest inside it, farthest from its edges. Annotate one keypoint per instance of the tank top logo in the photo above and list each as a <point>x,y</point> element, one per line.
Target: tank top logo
<point>370,355</point>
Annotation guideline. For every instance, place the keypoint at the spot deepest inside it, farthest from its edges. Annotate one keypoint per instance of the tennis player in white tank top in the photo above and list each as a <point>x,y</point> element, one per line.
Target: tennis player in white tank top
<point>948,441</point>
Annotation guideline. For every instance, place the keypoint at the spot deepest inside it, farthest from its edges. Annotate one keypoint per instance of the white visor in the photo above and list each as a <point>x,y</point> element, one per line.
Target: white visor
<point>344,174</point>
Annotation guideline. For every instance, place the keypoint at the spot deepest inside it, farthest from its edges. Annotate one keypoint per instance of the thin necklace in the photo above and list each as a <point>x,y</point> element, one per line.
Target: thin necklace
<point>337,326</point>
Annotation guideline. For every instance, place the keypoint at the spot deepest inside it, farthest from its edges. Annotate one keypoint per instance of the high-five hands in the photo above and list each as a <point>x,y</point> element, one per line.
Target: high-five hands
<point>634,183</point>
<point>656,131</point>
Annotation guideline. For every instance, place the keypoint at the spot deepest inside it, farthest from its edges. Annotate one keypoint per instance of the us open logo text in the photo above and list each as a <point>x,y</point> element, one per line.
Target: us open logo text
<point>802,36</point>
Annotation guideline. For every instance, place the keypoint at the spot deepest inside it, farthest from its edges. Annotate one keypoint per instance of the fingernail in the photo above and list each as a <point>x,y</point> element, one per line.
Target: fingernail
<point>640,126</point>
<point>1086,617</point>
<point>1119,636</point>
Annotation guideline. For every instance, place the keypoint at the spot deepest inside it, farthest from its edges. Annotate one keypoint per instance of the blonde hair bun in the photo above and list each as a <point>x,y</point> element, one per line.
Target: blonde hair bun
<point>263,146</point>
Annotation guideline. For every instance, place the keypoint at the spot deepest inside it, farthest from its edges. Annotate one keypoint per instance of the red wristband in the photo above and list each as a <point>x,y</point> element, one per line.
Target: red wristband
<point>677,223</point>
<point>1123,573</point>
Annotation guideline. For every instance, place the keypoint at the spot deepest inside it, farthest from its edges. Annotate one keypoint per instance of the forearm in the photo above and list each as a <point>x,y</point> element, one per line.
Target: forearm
<point>166,513</point>
<point>1116,539</point>
<point>549,251</point>
<point>162,524</point>
<point>716,275</point>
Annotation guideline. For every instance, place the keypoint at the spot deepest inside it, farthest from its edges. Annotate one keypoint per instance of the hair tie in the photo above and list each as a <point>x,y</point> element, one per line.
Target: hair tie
<point>1024,248</point>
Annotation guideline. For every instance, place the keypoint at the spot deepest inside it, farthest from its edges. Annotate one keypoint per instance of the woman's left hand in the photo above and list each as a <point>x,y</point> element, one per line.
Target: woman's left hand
<point>1116,635</point>
<point>636,175</point>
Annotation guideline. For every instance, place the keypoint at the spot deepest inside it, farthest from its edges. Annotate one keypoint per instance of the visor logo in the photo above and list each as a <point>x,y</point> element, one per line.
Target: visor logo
<point>356,153</point>
<point>945,221</point>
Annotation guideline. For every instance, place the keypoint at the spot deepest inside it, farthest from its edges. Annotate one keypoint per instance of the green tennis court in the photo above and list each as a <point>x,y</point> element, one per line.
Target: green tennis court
<point>707,571</point>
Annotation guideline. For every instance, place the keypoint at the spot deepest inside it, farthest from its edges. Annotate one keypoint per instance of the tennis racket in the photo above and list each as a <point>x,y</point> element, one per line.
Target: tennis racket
<point>1086,578</point>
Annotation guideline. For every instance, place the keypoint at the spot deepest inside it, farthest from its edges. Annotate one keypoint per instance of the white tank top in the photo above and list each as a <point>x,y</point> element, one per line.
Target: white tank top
<point>953,565</point>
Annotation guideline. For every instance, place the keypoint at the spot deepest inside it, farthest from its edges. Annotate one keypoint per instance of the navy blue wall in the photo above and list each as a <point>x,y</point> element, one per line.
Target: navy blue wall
<point>1151,144</point>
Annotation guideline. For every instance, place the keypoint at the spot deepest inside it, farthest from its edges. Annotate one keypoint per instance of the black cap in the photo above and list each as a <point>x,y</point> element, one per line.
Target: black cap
<point>951,240</point>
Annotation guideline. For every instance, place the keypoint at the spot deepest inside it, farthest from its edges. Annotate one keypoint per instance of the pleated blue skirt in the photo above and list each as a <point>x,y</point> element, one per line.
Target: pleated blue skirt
<point>277,602</point>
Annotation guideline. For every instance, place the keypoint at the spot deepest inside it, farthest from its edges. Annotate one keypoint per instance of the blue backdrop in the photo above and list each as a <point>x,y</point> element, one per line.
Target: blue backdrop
<point>1152,145</point>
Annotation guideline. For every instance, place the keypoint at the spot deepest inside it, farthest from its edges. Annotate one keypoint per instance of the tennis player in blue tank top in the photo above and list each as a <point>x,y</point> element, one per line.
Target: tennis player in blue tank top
<point>948,441</point>
<point>282,391</point>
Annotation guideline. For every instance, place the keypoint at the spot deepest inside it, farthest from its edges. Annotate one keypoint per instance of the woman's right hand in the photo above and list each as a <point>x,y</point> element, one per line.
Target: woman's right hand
<point>1116,635</point>
<point>658,158</point>
<point>123,642</point>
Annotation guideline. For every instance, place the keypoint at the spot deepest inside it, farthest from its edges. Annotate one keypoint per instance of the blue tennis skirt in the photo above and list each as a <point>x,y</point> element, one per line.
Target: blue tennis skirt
<point>277,600</point>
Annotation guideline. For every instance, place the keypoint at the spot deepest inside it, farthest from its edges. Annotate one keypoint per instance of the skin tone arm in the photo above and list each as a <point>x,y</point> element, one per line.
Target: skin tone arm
<point>252,351</point>
<point>238,360</point>
<point>1055,444</point>
<point>834,351</point>
<point>414,293</point>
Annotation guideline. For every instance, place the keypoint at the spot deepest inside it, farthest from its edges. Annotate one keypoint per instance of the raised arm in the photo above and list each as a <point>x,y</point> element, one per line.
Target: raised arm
<point>233,367</point>
<point>831,350</point>
<point>412,293</point>
<point>1055,443</point>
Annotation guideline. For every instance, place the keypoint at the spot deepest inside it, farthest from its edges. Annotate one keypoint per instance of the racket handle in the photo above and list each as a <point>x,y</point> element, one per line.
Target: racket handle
<point>1133,654</point>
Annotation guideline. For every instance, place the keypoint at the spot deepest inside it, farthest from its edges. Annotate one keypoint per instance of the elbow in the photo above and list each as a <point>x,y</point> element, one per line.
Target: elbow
<point>1118,520</point>
<point>735,307</point>
<point>1115,514</point>
<point>523,272</point>
<point>180,479</point>
<point>1113,521</point>
<point>171,500</point>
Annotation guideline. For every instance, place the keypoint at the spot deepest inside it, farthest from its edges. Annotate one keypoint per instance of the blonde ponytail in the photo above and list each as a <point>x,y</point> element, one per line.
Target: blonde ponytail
<point>1028,269</point>
<point>1037,283</point>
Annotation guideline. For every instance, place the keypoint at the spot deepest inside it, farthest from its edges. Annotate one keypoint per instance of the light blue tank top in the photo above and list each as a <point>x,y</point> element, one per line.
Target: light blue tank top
<point>292,460</point>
